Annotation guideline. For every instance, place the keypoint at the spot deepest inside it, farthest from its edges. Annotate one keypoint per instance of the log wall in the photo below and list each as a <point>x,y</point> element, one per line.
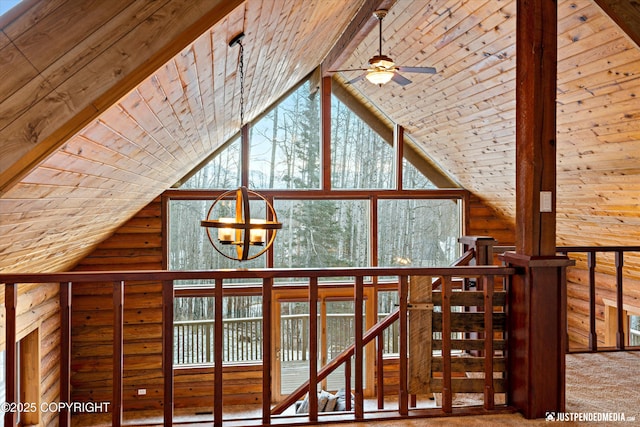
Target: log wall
<point>39,310</point>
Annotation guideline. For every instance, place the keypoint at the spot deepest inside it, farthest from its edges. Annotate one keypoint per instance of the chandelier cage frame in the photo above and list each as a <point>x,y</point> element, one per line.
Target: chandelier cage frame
<point>242,230</point>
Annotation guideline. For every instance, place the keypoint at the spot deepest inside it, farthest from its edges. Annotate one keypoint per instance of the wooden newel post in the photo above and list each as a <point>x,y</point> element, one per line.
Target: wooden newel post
<point>537,333</point>
<point>482,246</point>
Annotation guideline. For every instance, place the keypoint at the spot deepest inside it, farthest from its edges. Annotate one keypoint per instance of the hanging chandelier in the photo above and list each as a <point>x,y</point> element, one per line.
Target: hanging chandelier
<point>242,231</point>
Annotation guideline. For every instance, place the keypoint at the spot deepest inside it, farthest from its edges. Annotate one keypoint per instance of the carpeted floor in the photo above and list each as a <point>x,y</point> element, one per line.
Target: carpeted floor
<point>597,383</point>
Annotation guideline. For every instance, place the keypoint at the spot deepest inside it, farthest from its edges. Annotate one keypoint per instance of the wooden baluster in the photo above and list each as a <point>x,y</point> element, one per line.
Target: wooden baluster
<point>11,392</point>
<point>218,345</point>
<point>267,286</point>
<point>620,339</point>
<point>593,338</point>
<point>118,358</point>
<point>447,397</point>
<point>347,384</point>
<point>65,352</point>
<point>167,350</point>
<point>313,349</point>
<point>403,398</point>
<point>380,370</point>
<point>489,402</point>
<point>359,347</point>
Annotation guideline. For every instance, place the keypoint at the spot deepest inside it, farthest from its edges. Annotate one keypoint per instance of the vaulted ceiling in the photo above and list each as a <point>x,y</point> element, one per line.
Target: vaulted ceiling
<point>104,105</point>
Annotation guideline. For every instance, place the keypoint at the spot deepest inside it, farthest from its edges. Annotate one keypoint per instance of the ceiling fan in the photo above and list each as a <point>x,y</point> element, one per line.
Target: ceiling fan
<point>382,69</point>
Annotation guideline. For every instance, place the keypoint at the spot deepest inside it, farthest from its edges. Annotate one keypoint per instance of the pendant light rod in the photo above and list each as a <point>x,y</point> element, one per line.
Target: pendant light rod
<point>237,40</point>
<point>380,14</point>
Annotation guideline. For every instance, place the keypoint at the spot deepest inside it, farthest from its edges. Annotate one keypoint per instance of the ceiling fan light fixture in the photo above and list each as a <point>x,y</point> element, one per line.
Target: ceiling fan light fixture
<point>382,61</point>
<point>379,76</point>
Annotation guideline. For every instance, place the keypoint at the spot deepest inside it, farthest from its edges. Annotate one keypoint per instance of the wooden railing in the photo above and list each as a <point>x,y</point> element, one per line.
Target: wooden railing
<point>268,284</point>
<point>590,253</point>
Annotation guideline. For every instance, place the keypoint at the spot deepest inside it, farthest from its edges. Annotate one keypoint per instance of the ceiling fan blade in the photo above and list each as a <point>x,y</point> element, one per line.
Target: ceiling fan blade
<point>357,79</point>
<point>424,70</point>
<point>349,69</point>
<point>401,80</point>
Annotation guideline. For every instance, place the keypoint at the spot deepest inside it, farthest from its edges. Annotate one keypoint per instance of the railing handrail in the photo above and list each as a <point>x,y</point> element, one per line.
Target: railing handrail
<point>591,255</point>
<point>337,361</point>
<point>586,249</point>
<point>258,273</point>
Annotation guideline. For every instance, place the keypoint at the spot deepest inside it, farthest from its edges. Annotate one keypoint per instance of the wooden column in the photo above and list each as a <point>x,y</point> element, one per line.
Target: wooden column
<point>537,296</point>
<point>536,46</point>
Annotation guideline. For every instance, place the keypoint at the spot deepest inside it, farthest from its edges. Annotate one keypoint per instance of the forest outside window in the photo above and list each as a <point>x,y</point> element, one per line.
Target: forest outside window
<point>362,220</point>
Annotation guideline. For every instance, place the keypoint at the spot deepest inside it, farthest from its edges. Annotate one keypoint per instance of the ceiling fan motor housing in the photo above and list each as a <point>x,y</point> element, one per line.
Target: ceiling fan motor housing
<point>381,61</point>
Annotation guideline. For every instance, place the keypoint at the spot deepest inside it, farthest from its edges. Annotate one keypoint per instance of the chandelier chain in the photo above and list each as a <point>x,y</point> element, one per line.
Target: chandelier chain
<point>241,69</point>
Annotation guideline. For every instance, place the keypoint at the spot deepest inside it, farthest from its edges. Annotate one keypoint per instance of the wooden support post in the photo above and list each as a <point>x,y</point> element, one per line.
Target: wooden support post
<point>11,338</point>
<point>537,298</point>
<point>118,358</point>
<point>359,347</point>
<point>313,349</point>
<point>218,345</point>
<point>403,393</point>
<point>267,288</point>
<point>65,352</point>
<point>536,44</point>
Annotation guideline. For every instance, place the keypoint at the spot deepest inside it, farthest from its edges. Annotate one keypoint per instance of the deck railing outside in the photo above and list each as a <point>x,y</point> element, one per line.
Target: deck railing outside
<point>193,339</point>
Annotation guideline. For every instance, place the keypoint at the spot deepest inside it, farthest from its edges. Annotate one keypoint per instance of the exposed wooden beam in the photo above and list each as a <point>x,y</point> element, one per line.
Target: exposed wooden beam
<point>536,126</point>
<point>361,25</point>
<point>626,14</point>
<point>29,138</point>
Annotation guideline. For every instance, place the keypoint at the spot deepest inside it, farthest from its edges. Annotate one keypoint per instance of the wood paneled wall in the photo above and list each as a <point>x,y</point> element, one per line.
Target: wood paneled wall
<point>39,309</point>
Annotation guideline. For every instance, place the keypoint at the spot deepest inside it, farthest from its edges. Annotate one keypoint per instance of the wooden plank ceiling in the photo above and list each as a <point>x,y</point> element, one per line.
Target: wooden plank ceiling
<point>105,160</point>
